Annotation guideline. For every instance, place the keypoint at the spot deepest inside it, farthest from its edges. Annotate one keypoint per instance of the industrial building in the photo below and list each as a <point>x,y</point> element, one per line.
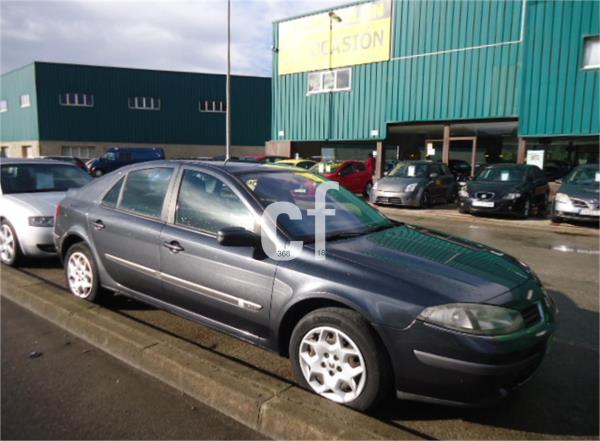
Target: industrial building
<point>77,110</point>
<point>480,81</point>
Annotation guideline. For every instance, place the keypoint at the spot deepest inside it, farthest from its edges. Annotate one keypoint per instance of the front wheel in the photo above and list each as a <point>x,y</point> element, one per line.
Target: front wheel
<point>425,199</point>
<point>336,354</point>
<point>368,188</point>
<point>526,211</point>
<point>10,250</point>
<point>81,273</point>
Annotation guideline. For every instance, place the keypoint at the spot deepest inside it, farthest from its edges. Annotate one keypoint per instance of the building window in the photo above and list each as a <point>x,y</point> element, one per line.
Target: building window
<point>591,52</point>
<point>4,151</point>
<point>76,99</point>
<point>212,106</point>
<point>25,100</point>
<point>82,152</point>
<point>26,151</point>
<point>329,81</point>
<point>144,103</point>
<point>3,105</point>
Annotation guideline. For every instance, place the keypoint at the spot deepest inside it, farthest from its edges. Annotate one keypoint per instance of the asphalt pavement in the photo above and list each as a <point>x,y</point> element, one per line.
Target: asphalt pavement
<point>55,386</point>
<point>561,401</point>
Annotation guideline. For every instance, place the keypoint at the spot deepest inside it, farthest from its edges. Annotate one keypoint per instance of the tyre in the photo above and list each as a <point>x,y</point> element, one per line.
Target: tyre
<point>425,199</point>
<point>526,211</point>
<point>368,188</point>
<point>463,210</point>
<point>82,274</point>
<point>556,219</point>
<point>336,354</point>
<point>10,250</point>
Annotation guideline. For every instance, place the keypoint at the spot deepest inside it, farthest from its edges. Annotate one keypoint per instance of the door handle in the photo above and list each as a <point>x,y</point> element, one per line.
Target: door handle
<point>173,246</point>
<point>99,225</point>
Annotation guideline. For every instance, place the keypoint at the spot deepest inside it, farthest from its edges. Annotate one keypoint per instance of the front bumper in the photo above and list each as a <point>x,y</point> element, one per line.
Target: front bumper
<point>501,206</point>
<point>567,210</point>
<point>37,241</point>
<point>435,364</point>
<point>383,197</point>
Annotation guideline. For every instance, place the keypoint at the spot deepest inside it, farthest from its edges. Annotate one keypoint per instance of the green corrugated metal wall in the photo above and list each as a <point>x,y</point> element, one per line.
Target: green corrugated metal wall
<point>458,60</point>
<point>19,123</point>
<point>562,98</point>
<point>429,78</point>
<point>178,121</point>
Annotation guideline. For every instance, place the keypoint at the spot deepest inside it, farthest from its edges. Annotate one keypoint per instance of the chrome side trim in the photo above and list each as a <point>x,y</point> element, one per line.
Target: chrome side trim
<point>133,265</point>
<point>186,284</point>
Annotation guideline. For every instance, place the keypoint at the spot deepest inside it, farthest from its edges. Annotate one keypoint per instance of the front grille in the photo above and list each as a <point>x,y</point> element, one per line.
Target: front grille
<point>386,200</point>
<point>484,195</point>
<point>531,315</point>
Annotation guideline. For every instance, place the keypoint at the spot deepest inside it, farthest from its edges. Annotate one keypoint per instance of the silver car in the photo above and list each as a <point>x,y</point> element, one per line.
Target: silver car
<point>30,190</point>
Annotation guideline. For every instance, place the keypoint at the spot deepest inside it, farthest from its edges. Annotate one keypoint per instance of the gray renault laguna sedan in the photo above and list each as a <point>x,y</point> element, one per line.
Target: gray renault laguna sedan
<point>377,306</point>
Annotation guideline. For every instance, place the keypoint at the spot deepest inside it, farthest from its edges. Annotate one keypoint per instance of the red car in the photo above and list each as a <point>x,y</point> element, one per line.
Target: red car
<point>352,175</point>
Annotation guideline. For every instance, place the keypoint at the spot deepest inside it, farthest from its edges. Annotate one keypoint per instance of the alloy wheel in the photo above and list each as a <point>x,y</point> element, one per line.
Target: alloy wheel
<point>79,274</point>
<point>7,244</point>
<point>526,208</point>
<point>332,364</point>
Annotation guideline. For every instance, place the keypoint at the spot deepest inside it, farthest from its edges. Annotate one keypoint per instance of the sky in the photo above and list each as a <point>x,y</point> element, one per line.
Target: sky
<point>167,34</point>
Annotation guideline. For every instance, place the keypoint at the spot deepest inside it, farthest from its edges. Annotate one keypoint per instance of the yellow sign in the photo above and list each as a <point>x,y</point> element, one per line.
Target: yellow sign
<point>343,37</point>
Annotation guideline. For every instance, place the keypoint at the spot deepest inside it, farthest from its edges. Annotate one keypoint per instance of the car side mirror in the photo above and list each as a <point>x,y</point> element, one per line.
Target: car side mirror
<point>237,237</point>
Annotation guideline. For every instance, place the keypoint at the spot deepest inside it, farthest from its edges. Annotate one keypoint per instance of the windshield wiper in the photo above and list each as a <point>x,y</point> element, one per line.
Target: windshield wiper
<point>345,235</point>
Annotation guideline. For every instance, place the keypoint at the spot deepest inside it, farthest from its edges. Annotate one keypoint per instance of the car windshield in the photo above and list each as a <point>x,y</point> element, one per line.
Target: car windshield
<point>325,167</point>
<point>35,178</point>
<point>352,214</point>
<point>502,174</point>
<point>408,170</point>
<point>585,176</point>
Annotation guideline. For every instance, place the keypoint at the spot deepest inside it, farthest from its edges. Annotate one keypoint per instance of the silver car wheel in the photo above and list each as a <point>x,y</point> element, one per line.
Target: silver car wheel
<point>332,364</point>
<point>7,243</point>
<point>80,276</point>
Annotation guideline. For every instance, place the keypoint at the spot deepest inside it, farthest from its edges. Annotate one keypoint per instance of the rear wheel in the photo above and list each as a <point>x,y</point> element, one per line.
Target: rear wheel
<point>368,188</point>
<point>10,250</point>
<point>336,354</point>
<point>81,273</point>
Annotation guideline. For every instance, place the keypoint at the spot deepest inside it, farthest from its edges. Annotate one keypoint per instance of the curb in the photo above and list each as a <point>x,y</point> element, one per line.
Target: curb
<point>542,225</point>
<point>268,405</point>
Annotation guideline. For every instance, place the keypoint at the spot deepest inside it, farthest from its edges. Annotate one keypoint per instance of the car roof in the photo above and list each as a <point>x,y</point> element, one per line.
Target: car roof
<point>232,167</point>
<point>14,161</point>
<point>509,165</point>
<point>588,166</point>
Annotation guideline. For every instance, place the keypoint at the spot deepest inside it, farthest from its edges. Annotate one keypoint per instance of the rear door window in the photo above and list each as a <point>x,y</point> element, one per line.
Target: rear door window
<point>112,197</point>
<point>145,191</point>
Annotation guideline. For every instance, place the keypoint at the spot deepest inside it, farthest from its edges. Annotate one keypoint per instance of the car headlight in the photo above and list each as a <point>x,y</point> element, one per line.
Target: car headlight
<point>41,221</point>
<point>463,193</point>
<point>512,196</point>
<point>410,187</point>
<point>474,318</point>
<point>563,198</point>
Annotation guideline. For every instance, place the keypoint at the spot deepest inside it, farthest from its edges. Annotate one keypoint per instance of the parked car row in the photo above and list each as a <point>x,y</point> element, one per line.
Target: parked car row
<point>511,189</point>
<point>369,315</point>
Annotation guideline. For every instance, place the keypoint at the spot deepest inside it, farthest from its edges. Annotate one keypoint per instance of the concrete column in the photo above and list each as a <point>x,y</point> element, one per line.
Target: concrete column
<point>521,151</point>
<point>446,145</point>
<point>380,160</point>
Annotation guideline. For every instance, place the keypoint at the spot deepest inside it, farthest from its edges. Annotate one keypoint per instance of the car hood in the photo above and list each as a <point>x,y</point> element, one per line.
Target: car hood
<point>40,204</point>
<point>587,192</point>
<point>500,188</point>
<point>393,183</point>
<point>455,269</point>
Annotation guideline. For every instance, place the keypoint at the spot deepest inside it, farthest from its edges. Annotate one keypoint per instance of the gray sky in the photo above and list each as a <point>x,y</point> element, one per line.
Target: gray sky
<point>166,34</point>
